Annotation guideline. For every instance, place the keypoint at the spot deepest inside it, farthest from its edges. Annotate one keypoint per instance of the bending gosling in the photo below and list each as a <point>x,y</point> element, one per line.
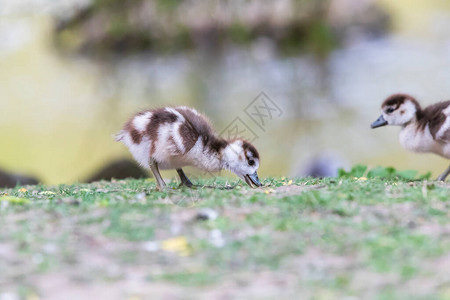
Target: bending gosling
<point>423,130</point>
<point>174,137</point>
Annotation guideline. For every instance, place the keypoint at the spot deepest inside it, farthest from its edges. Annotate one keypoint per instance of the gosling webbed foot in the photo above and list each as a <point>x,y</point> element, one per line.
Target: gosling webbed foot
<point>443,175</point>
<point>184,180</point>
<point>188,185</point>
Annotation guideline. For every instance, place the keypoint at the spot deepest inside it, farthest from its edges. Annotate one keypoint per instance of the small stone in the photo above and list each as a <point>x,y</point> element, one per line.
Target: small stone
<point>216,238</point>
<point>150,246</point>
<point>205,214</point>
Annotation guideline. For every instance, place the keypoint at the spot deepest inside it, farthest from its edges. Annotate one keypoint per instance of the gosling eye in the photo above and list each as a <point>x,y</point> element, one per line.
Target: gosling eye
<point>389,110</point>
<point>251,162</point>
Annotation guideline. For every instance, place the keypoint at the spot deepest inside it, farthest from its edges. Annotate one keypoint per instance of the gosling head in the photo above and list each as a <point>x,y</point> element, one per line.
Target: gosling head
<point>242,158</point>
<point>397,110</point>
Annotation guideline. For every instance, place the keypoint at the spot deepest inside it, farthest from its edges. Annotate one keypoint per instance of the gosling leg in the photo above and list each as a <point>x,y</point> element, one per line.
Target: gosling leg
<point>184,180</point>
<point>159,181</point>
<point>444,175</point>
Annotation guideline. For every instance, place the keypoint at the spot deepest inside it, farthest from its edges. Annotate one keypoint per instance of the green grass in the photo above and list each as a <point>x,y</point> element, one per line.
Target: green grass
<point>367,238</point>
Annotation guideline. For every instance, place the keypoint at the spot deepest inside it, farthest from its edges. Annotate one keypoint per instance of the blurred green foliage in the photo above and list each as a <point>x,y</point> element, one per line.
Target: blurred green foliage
<point>118,26</point>
<point>382,172</point>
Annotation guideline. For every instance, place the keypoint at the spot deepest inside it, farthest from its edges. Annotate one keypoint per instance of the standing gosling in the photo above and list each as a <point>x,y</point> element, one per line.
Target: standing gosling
<point>174,137</point>
<point>423,130</point>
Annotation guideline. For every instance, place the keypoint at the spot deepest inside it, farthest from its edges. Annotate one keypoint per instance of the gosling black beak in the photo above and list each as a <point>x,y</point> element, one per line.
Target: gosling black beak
<point>379,122</point>
<point>252,179</point>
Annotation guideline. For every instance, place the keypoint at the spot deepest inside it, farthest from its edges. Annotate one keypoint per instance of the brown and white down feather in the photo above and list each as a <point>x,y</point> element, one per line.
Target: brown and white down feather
<point>423,130</point>
<point>175,137</point>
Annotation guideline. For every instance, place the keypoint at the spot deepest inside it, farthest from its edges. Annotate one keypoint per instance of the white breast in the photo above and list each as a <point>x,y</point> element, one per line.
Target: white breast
<point>203,158</point>
<point>417,140</point>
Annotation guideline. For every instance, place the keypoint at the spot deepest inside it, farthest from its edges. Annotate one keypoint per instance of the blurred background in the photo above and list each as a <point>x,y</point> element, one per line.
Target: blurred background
<point>73,71</point>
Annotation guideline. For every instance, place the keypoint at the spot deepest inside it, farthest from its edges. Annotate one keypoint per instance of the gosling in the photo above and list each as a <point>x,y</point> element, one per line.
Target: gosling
<point>423,130</point>
<point>175,137</point>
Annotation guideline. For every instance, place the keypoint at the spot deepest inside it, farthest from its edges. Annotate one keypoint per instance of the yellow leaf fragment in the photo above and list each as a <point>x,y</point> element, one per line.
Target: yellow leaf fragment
<point>178,245</point>
<point>269,191</point>
<point>23,190</point>
<point>288,183</point>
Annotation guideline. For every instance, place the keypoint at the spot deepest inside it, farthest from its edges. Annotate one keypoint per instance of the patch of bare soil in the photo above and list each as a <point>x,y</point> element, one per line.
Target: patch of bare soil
<point>267,285</point>
<point>284,190</point>
<point>289,190</point>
